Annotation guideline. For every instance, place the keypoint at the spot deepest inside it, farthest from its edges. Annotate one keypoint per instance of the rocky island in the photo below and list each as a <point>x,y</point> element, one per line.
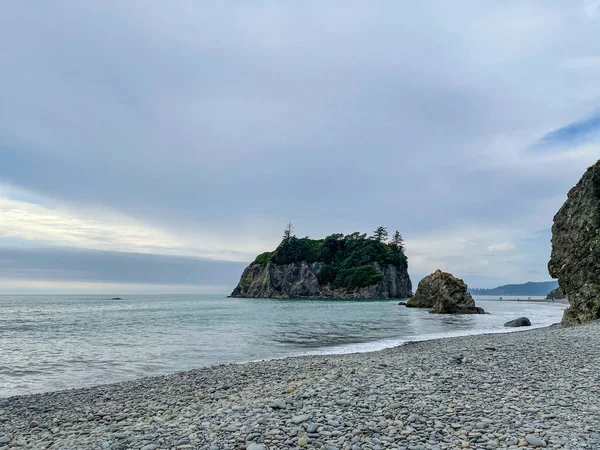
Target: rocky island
<point>338,266</point>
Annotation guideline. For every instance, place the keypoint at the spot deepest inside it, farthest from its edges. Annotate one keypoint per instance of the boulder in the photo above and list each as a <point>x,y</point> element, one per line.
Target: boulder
<point>575,258</point>
<point>444,294</point>
<point>520,322</point>
<point>556,294</point>
<point>425,295</point>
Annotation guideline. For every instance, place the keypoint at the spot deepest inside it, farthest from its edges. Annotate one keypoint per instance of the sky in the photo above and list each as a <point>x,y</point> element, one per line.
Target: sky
<point>153,146</point>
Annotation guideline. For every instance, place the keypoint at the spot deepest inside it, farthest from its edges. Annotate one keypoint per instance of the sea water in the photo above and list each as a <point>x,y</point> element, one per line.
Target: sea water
<point>58,342</point>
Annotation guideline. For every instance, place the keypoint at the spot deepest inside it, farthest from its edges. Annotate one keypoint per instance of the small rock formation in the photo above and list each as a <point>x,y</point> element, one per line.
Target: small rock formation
<point>301,280</point>
<point>444,294</point>
<point>556,294</point>
<point>520,322</point>
<point>575,259</point>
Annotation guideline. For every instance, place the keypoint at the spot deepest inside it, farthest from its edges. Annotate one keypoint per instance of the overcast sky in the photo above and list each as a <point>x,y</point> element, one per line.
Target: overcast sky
<point>154,146</point>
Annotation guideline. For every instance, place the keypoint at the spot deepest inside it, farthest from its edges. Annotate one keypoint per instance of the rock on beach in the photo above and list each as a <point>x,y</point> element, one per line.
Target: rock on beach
<point>533,389</point>
<point>444,294</point>
<point>520,322</point>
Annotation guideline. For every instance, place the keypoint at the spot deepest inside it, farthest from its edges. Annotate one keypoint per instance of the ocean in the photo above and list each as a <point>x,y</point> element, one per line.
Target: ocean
<point>54,342</point>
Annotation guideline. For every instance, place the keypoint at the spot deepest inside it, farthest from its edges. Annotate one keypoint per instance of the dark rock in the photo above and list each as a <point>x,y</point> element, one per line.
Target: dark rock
<point>300,280</point>
<point>556,294</point>
<point>520,322</point>
<point>575,259</point>
<point>402,303</point>
<point>117,298</point>
<point>444,294</point>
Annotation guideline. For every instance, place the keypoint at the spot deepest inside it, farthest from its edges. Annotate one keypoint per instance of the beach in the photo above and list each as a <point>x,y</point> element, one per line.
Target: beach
<point>538,387</point>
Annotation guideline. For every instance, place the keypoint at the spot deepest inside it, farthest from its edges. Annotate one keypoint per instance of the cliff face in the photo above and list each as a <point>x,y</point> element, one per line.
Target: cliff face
<point>301,280</point>
<point>575,258</point>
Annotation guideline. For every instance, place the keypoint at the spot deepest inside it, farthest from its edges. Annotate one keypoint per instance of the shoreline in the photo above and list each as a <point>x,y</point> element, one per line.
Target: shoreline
<point>379,346</point>
<point>475,391</point>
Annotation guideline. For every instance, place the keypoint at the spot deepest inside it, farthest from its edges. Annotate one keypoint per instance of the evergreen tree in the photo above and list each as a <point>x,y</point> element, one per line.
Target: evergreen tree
<point>380,234</point>
<point>288,232</point>
<point>397,242</point>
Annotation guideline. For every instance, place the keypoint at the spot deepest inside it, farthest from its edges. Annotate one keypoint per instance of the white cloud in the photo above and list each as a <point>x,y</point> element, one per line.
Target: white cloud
<point>501,247</point>
<point>40,224</point>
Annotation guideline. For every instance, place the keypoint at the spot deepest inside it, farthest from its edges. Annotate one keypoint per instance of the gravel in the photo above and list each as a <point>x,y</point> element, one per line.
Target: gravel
<point>532,389</point>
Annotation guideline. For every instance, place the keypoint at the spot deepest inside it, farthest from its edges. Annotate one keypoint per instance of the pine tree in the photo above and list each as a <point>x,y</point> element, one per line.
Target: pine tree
<point>288,232</point>
<point>397,242</point>
<point>380,234</point>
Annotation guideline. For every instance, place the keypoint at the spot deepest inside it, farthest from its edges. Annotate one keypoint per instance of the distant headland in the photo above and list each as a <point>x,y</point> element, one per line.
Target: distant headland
<point>338,266</point>
<point>530,288</point>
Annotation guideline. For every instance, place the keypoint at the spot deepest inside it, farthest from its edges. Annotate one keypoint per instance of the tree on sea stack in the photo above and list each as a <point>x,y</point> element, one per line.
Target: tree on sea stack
<point>397,242</point>
<point>288,232</point>
<point>380,234</point>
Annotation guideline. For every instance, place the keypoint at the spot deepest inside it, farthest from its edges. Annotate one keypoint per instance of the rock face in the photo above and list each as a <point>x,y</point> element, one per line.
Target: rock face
<point>444,294</point>
<point>300,280</point>
<point>520,322</point>
<point>556,294</point>
<point>575,258</point>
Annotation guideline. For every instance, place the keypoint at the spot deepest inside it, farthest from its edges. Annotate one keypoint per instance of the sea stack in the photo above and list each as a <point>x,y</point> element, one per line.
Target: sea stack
<point>575,258</point>
<point>352,266</point>
<point>444,294</point>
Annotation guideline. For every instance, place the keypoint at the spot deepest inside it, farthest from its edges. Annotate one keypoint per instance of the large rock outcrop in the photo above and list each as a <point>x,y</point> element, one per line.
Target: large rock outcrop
<point>444,294</point>
<point>301,280</point>
<point>575,259</point>
<point>556,294</point>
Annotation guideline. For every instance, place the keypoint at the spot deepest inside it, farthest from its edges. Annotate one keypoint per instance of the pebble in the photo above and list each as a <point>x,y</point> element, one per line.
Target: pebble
<point>535,441</point>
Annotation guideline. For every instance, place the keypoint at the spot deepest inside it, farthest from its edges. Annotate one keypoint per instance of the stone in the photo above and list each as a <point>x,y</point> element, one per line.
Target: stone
<point>312,427</point>
<point>4,440</point>
<point>299,419</point>
<point>255,446</point>
<point>520,322</point>
<point>556,294</point>
<point>150,447</point>
<point>302,442</point>
<point>444,294</point>
<point>575,258</point>
<point>535,441</point>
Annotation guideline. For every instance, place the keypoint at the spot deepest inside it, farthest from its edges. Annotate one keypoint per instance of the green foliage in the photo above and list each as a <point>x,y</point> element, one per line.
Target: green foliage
<point>380,234</point>
<point>263,258</point>
<point>348,260</point>
<point>356,277</point>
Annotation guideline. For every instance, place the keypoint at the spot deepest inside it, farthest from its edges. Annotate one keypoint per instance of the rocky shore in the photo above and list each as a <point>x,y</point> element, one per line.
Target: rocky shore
<point>537,388</point>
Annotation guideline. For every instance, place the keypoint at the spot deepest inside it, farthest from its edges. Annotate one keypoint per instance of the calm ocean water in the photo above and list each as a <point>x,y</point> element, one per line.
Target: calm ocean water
<point>57,342</point>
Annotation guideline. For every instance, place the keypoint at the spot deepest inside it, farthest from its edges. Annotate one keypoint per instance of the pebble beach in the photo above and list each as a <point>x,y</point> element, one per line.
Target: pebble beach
<point>529,389</point>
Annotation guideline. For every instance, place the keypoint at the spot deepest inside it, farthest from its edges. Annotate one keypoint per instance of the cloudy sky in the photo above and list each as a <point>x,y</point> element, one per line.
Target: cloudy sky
<point>159,146</point>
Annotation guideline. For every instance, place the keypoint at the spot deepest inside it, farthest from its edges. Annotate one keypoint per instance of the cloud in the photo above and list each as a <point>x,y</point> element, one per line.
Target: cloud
<point>501,247</point>
<point>201,130</point>
<point>49,266</point>
<point>34,223</point>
